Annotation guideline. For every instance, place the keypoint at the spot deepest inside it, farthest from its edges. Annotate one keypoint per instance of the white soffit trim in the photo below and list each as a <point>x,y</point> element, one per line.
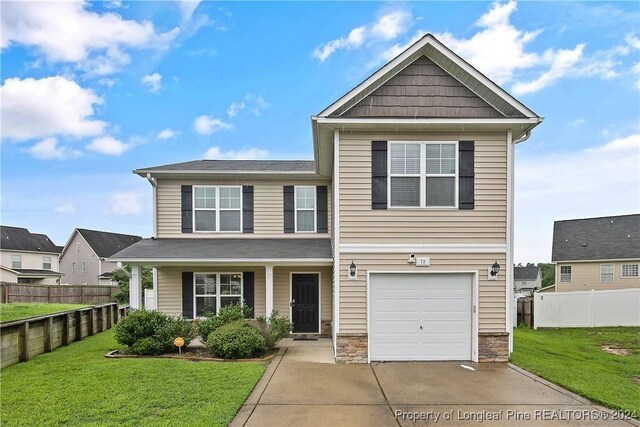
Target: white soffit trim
<point>428,39</point>
<point>426,247</point>
<point>260,261</point>
<point>435,121</point>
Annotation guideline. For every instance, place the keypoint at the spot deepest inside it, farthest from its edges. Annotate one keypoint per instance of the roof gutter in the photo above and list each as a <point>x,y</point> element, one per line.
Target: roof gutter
<point>523,138</point>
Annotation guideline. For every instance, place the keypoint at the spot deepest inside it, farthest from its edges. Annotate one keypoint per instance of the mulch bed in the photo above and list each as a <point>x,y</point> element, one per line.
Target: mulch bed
<point>191,354</point>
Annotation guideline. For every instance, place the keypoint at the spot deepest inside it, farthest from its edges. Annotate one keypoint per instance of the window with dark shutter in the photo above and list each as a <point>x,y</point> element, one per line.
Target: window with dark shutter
<point>289,208</point>
<point>247,209</point>
<point>379,175</point>
<point>322,209</point>
<point>466,175</point>
<point>187,211</point>
<point>187,294</point>
<point>248,290</point>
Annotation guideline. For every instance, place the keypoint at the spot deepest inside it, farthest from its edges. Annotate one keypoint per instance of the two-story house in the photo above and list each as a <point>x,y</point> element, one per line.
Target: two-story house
<point>526,280</point>
<point>394,241</point>
<point>84,257</point>
<point>27,257</point>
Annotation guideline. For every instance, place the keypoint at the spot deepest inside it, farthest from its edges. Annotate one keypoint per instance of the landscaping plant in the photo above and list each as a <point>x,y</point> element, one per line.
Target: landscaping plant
<point>226,315</point>
<point>273,328</point>
<point>151,332</point>
<point>236,340</point>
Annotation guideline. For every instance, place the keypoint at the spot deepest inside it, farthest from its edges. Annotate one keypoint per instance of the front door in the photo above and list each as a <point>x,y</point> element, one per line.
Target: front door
<point>305,302</point>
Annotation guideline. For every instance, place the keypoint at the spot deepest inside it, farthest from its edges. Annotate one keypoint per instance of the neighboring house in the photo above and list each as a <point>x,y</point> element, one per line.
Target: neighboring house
<point>386,242</point>
<point>526,280</point>
<point>83,259</point>
<point>27,257</point>
<point>596,253</point>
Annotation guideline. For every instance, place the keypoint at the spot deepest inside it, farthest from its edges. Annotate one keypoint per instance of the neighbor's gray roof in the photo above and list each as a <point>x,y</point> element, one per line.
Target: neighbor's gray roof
<point>240,166</point>
<point>612,237</point>
<point>221,249</point>
<point>21,239</point>
<point>525,273</point>
<point>36,272</point>
<point>105,244</point>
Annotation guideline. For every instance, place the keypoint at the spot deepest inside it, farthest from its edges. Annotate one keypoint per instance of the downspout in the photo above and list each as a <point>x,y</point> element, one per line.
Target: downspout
<point>154,184</point>
<point>523,138</point>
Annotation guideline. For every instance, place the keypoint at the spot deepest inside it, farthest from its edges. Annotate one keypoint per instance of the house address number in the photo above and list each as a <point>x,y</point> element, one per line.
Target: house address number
<point>422,261</point>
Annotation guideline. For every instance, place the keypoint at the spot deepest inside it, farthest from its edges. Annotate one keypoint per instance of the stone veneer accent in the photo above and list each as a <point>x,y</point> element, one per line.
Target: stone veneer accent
<point>493,347</point>
<point>325,331</point>
<point>352,348</point>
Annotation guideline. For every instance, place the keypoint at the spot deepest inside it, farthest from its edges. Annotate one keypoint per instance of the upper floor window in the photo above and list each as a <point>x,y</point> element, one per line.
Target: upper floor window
<point>629,270</point>
<point>217,209</point>
<point>565,273</point>
<point>85,267</point>
<point>423,174</point>
<point>77,248</point>
<point>73,267</point>
<point>606,273</point>
<point>215,290</point>
<point>305,207</point>
<point>46,263</point>
<point>16,261</point>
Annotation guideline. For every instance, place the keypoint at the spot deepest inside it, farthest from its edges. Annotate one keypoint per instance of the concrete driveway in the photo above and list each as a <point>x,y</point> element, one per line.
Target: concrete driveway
<point>303,387</point>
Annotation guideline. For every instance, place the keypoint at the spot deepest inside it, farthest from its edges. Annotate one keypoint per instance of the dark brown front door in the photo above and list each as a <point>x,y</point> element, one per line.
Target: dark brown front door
<point>305,302</point>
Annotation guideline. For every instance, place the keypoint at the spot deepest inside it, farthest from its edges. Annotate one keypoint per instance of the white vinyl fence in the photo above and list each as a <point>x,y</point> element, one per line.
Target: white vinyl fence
<point>620,307</point>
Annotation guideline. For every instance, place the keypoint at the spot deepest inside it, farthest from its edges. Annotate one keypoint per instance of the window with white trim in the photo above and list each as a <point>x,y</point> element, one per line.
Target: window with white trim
<point>565,273</point>
<point>46,263</point>
<point>85,267</point>
<point>629,270</point>
<point>423,174</point>
<point>606,273</point>
<point>215,290</point>
<point>16,261</point>
<point>305,207</point>
<point>73,267</point>
<point>77,248</point>
<point>217,209</point>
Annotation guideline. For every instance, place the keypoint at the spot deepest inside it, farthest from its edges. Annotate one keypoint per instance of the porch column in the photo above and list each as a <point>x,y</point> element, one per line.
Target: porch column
<point>268,269</point>
<point>135,288</point>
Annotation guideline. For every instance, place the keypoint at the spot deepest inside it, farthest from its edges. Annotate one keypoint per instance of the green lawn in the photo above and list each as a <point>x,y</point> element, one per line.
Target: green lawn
<point>16,311</point>
<point>573,358</point>
<point>77,385</point>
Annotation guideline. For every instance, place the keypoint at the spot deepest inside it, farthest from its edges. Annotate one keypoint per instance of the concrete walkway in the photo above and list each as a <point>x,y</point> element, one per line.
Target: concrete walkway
<point>303,387</point>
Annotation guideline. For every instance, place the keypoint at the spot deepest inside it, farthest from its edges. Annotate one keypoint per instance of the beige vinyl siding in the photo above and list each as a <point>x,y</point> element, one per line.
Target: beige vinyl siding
<point>267,207</point>
<point>486,223</point>
<point>585,276</point>
<point>282,288</point>
<point>353,293</point>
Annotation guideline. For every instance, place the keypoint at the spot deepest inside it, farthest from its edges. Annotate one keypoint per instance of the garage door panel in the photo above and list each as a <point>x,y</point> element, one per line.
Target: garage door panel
<point>401,303</point>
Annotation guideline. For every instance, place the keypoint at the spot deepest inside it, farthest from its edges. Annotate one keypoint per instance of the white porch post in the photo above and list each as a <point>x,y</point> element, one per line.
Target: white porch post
<point>268,271</point>
<point>135,288</point>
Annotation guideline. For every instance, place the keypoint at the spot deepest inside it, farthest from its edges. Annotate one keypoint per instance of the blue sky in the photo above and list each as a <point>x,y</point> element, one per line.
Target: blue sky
<point>92,90</point>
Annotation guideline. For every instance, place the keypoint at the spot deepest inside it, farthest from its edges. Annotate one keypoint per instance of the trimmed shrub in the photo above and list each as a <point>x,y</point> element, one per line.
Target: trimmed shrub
<point>226,315</point>
<point>273,328</point>
<point>236,340</point>
<point>151,332</point>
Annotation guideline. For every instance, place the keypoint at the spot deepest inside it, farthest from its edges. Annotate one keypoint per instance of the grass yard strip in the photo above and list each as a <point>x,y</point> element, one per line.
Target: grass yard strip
<point>16,311</point>
<point>574,359</point>
<point>77,385</point>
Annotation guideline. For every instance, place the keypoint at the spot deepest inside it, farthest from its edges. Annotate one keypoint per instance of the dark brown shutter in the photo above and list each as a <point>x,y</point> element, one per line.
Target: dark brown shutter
<point>187,294</point>
<point>248,290</point>
<point>466,175</point>
<point>322,208</point>
<point>379,175</point>
<point>247,209</point>
<point>289,208</point>
<point>187,209</point>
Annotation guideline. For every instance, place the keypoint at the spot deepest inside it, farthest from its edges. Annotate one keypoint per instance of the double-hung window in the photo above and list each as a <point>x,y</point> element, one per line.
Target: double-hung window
<point>46,263</point>
<point>606,273</point>
<point>629,270</point>
<point>16,261</point>
<point>217,209</point>
<point>85,267</point>
<point>423,174</point>
<point>73,267</point>
<point>305,206</point>
<point>215,290</point>
<point>565,273</point>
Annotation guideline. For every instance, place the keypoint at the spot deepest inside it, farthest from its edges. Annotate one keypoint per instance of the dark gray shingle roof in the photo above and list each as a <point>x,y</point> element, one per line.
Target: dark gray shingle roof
<point>525,273</point>
<point>168,249</point>
<point>105,244</point>
<point>36,272</point>
<point>213,166</point>
<point>21,239</point>
<point>612,237</point>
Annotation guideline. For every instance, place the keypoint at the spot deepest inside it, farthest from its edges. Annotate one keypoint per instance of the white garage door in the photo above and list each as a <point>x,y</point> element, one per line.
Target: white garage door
<point>420,316</point>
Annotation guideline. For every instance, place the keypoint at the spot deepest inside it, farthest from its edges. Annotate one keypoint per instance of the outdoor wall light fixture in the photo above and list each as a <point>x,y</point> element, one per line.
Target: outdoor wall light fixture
<point>493,271</point>
<point>353,271</point>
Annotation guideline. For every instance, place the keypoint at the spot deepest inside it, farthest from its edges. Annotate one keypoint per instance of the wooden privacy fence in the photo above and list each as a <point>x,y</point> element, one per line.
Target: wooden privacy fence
<point>20,340</point>
<point>525,311</point>
<point>65,294</point>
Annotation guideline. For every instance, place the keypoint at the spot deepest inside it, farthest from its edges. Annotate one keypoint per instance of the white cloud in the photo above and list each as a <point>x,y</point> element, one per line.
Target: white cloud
<point>353,40</point>
<point>167,133</point>
<point>206,125</point>
<point>636,70</point>
<point>391,25</point>
<point>153,82</point>
<point>68,32</point>
<point>233,109</point>
<point>125,203</point>
<point>66,208</point>
<point>599,181</point>
<point>562,61</point>
<point>48,148</point>
<point>108,145</point>
<point>107,82</point>
<point>187,7</point>
<point>49,106</point>
<point>248,154</point>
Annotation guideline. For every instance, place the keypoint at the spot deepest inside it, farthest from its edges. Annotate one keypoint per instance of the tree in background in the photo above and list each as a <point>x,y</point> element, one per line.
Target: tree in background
<point>121,277</point>
<point>548,272</point>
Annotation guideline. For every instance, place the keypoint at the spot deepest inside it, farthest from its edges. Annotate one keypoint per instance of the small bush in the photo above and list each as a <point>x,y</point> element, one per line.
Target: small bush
<point>226,315</point>
<point>151,332</point>
<point>236,340</point>
<point>273,329</point>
